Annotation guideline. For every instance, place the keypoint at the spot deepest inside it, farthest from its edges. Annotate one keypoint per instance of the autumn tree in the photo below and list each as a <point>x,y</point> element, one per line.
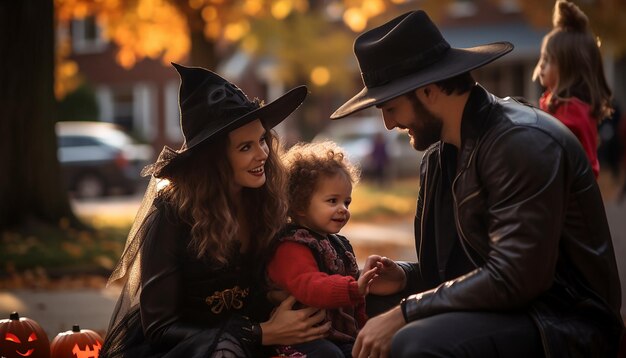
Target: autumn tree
<point>200,32</point>
<point>31,190</point>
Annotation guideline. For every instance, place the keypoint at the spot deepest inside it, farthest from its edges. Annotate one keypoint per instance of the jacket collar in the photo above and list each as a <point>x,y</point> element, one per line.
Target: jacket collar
<point>474,122</point>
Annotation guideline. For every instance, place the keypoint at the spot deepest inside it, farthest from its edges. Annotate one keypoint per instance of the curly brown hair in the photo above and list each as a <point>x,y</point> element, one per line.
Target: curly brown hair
<point>306,163</point>
<point>199,191</point>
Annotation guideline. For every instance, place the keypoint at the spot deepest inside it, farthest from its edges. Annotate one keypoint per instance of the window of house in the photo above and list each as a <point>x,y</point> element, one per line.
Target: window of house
<point>509,6</point>
<point>462,8</point>
<point>123,107</point>
<point>172,113</point>
<point>87,36</point>
<point>134,107</point>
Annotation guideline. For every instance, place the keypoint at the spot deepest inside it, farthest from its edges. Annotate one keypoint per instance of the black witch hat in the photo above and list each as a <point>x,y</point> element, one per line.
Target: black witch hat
<point>210,105</point>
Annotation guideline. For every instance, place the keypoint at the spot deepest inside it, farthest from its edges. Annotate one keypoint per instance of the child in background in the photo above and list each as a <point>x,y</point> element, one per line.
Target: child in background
<point>311,262</point>
<point>570,68</point>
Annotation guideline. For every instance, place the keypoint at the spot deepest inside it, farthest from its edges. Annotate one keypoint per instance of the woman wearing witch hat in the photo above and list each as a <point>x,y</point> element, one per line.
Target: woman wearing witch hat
<point>191,268</point>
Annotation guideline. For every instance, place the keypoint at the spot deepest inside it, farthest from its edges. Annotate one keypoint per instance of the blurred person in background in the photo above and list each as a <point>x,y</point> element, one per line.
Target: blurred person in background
<point>514,251</point>
<point>380,159</point>
<point>610,147</point>
<point>571,70</point>
<point>191,268</point>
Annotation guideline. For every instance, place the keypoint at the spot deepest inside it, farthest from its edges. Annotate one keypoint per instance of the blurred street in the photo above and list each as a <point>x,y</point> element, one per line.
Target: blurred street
<point>91,308</point>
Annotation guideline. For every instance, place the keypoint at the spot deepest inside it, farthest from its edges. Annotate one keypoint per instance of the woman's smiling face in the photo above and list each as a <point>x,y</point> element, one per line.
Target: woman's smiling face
<point>247,153</point>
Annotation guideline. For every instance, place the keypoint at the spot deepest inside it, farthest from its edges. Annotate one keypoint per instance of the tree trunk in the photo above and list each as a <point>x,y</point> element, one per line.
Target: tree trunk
<point>31,190</point>
<point>202,52</point>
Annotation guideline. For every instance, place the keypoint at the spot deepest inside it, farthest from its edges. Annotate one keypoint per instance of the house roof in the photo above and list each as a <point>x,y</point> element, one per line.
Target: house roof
<point>526,39</point>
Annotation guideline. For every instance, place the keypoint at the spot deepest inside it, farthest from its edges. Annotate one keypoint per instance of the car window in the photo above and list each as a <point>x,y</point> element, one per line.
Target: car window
<point>116,138</point>
<point>76,141</point>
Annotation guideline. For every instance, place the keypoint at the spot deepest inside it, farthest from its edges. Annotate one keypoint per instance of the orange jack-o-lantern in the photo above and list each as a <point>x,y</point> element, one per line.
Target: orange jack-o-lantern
<point>22,337</point>
<point>77,343</point>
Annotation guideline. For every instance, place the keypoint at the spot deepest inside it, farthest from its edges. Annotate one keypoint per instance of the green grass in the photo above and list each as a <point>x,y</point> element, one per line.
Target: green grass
<point>62,250</point>
<point>59,249</point>
<point>394,201</point>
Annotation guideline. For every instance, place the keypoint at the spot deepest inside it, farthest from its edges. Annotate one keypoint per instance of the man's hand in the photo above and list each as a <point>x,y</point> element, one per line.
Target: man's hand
<point>390,277</point>
<point>374,340</point>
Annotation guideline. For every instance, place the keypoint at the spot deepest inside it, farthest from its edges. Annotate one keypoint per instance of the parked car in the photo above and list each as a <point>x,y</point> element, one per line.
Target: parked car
<point>98,158</point>
<point>356,137</point>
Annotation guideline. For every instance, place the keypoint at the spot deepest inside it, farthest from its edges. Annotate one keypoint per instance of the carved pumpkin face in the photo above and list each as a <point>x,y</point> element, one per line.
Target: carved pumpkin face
<point>22,337</point>
<point>77,343</point>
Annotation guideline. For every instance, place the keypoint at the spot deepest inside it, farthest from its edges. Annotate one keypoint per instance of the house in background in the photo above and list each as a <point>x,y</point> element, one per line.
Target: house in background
<point>472,22</point>
<point>141,99</point>
<point>144,99</point>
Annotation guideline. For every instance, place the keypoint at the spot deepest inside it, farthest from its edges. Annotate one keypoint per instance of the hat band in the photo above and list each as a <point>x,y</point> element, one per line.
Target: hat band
<point>413,64</point>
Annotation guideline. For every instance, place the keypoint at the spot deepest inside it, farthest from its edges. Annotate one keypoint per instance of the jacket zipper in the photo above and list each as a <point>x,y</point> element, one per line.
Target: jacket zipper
<point>456,211</point>
<point>544,340</point>
<point>467,198</point>
<point>419,254</point>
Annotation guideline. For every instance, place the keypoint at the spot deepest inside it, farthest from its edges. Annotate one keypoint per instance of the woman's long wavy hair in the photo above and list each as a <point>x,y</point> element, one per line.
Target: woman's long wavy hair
<point>200,190</point>
<point>573,47</point>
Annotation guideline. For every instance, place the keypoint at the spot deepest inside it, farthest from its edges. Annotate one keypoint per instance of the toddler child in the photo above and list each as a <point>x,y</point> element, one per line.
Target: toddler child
<point>311,261</point>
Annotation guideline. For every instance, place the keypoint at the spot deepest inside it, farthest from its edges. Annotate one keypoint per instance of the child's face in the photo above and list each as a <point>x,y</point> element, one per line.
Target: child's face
<point>247,153</point>
<point>328,210</point>
<point>548,70</point>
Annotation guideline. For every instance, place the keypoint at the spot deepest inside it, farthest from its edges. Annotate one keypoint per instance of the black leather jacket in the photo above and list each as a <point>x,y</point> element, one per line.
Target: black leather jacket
<point>531,219</point>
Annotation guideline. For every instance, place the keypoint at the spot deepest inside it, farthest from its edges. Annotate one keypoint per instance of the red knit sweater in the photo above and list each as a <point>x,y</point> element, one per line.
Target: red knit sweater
<point>293,268</point>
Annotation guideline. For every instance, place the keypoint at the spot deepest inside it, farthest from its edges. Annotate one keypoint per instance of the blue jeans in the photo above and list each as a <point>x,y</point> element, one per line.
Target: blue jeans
<point>469,334</point>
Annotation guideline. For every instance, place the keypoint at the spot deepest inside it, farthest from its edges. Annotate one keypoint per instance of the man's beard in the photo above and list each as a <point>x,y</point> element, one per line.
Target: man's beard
<point>427,130</point>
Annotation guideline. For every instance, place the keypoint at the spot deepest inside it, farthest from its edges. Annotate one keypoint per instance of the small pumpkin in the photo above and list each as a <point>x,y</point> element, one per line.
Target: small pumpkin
<point>77,343</point>
<point>22,337</point>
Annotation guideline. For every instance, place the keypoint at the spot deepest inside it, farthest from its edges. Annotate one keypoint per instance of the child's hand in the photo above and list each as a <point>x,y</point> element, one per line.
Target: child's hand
<point>390,277</point>
<point>366,279</point>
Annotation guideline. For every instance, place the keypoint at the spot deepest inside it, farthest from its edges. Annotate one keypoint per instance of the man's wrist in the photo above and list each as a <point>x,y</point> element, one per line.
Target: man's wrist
<point>410,307</point>
<point>403,309</point>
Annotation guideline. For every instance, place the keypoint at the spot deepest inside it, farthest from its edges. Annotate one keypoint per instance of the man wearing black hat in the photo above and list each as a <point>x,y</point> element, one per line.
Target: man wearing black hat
<point>514,252</point>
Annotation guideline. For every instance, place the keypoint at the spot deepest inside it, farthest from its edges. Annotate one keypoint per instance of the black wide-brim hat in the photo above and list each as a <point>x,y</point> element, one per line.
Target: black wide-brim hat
<point>407,53</point>
<point>211,106</point>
